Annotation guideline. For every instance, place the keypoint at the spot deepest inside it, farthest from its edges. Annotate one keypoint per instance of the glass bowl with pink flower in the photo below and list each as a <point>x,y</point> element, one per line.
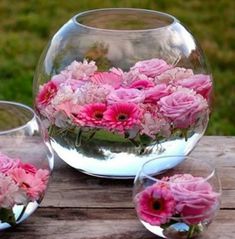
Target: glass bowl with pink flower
<point>26,162</point>
<point>180,202</point>
<point>117,87</point>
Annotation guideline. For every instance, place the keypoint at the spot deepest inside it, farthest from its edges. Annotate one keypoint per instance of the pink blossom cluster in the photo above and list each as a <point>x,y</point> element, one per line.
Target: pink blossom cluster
<point>181,197</point>
<point>20,182</point>
<point>152,98</point>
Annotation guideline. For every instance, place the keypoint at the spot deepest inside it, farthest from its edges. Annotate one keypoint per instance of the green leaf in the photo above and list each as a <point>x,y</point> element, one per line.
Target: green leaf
<point>145,139</point>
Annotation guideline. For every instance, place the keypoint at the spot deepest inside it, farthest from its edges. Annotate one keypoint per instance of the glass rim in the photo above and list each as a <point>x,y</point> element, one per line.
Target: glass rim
<point>142,171</point>
<point>161,14</point>
<point>22,106</point>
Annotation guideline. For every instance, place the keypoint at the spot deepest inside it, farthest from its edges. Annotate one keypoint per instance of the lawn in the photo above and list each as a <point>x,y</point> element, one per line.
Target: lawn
<point>27,25</point>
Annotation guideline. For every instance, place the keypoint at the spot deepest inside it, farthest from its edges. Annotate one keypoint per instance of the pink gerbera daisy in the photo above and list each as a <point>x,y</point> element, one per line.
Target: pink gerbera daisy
<point>156,204</point>
<point>122,116</point>
<point>92,114</point>
<point>46,94</point>
<point>107,78</point>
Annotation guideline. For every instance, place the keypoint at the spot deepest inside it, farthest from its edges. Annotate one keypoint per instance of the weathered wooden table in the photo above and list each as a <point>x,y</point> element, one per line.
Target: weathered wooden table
<point>80,206</point>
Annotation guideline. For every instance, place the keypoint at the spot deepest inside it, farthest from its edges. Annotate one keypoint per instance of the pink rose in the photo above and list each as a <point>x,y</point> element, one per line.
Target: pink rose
<point>183,107</point>
<point>200,83</point>
<point>174,74</point>
<point>154,94</point>
<point>195,198</point>
<point>7,163</point>
<point>151,68</point>
<point>107,78</point>
<point>125,95</point>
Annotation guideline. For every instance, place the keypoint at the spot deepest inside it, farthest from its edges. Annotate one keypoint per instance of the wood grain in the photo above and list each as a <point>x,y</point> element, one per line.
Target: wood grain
<point>78,206</point>
<point>74,223</point>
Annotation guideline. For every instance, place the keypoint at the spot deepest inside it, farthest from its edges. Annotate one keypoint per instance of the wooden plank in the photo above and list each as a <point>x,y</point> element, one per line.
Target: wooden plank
<point>75,223</point>
<point>70,188</point>
<point>219,149</point>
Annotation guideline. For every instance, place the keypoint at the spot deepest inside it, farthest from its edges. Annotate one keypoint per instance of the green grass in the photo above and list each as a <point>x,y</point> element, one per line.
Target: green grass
<point>26,26</point>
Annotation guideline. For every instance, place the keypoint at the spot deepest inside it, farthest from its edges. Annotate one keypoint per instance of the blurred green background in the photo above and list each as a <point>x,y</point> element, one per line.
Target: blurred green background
<point>26,26</point>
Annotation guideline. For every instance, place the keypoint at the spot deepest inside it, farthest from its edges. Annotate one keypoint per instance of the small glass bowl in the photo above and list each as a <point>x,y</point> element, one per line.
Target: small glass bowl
<point>26,162</point>
<point>180,202</point>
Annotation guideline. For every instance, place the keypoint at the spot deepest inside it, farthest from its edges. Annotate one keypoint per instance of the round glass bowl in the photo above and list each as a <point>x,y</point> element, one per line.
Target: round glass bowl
<point>117,87</point>
<point>180,202</point>
<point>26,162</point>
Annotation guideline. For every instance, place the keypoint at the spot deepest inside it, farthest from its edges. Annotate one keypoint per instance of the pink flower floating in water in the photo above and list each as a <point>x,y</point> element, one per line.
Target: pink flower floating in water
<point>73,98</point>
<point>195,198</point>
<point>107,78</point>
<point>6,163</point>
<point>151,68</point>
<point>20,182</point>
<point>155,204</point>
<point>181,197</point>
<point>92,114</point>
<point>122,116</point>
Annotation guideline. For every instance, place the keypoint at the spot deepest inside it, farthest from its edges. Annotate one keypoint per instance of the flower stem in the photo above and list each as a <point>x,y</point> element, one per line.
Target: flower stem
<point>134,142</point>
<point>51,130</point>
<point>78,140</point>
<point>191,231</point>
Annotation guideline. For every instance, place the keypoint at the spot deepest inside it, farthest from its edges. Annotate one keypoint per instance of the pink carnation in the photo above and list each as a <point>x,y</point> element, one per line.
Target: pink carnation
<point>28,168</point>
<point>33,184</point>
<point>183,107</point>
<point>91,115</point>
<point>200,83</point>
<point>195,198</point>
<point>92,93</point>
<point>69,108</point>
<point>174,74</point>
<point>10,194</point>
<point>107,78</point>
<point>7,163</point>
<point>155,204</point>
<point>122,116</point>
<point>61,78</point>
<point>151,68</point>
<point>155,124</point>
<point>81,70</point>
<point>154,94</point>
<point>125,95</point>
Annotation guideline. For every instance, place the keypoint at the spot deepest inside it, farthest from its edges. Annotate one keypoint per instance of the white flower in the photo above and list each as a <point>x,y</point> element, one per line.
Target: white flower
<point>92,93</point>
<point>82,70</point>
<point>65,93</point>
<point>10,193</point>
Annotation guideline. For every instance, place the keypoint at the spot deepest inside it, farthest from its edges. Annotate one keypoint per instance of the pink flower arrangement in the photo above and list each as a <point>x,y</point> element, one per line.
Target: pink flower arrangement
<point>181,197</point>
<point>20,183</point>
<point>118,102</point>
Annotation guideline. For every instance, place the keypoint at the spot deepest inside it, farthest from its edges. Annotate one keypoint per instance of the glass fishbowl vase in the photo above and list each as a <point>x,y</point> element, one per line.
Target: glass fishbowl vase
<point>179,203</point>
<point>117,87</point>
<point>26,163</point>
